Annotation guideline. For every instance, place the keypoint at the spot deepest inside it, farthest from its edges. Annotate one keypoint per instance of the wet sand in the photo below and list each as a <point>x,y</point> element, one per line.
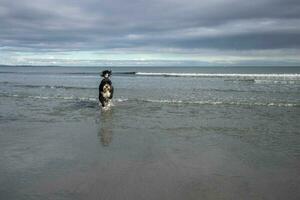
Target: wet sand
<point>103,160</point>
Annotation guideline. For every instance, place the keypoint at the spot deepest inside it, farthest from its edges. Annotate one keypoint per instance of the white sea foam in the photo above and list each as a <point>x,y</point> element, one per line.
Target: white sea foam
<point>120,99</point>
<point>60,97</point>
<point>213,75</point>
<point>283,82</point>
<point>237,103</point>
<point>86,99</point>
<point>167,101</point>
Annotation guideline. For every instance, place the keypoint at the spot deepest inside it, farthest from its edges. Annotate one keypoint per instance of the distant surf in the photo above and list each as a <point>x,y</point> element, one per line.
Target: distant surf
<point>223,75</point>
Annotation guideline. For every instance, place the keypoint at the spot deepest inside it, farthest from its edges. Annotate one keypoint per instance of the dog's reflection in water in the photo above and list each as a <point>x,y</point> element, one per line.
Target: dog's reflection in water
<point>105,128</point>
<point>105,135</point>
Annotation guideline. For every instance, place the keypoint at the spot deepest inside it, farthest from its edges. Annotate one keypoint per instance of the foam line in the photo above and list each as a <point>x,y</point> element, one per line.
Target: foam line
<point>212,75</point>
<point>164,101</point>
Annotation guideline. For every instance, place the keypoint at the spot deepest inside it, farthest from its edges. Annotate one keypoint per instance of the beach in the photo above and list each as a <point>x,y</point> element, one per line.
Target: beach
<point>172,133</point>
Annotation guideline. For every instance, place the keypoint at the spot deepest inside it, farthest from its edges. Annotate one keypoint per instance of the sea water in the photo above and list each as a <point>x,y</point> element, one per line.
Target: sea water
<point>172,133</point>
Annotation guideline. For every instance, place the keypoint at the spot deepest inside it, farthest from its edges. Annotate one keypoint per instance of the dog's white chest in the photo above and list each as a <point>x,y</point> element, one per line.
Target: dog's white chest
<point>106,94</point>
<point>106,91</point>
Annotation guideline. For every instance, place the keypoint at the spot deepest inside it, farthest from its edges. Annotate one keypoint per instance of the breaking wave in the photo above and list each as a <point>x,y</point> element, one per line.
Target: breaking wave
<point>253,76</point>
<point>215,75</point>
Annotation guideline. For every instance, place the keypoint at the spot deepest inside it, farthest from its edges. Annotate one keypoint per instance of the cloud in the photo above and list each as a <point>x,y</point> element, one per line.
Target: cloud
<point>148,26</point>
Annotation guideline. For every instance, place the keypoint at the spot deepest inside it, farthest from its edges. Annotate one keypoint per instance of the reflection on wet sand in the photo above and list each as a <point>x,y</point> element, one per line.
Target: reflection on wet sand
<point>105,127</point>
<point>105,135</point>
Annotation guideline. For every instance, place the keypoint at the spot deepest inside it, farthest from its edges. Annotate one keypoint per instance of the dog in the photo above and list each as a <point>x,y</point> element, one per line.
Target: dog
<point>106,89</point>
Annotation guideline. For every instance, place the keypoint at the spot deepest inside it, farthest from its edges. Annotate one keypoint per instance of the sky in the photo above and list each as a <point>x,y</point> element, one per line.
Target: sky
<point>150,32</point>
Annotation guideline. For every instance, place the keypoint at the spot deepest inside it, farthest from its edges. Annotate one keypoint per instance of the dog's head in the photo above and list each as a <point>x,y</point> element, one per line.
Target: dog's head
<point>106,73</point>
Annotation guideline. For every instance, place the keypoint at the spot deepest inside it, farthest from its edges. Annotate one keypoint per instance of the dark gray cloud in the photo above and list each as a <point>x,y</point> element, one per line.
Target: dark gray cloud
<point>241,42</point>
<point>58,25</point>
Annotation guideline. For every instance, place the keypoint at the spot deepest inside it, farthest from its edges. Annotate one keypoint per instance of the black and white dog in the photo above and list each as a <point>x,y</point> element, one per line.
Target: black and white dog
<point>106,89</point>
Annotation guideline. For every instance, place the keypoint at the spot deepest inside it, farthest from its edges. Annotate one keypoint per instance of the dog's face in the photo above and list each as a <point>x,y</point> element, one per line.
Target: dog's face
<point>106,73</point>
<point>106,88</point>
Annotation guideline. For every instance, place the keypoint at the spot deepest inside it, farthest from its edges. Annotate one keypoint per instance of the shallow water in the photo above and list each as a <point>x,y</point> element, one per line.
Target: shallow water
<point>166,137</point>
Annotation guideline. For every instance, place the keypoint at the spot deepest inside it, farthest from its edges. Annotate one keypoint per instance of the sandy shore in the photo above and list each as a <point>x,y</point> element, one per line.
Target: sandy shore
<point>92,160</point>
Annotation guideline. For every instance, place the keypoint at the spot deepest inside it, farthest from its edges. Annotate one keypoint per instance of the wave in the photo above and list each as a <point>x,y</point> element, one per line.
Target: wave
<point>194,90</point>
<point>253,76</point>
<point>46,86</point>
<point>282,82</point>
<point>92,99</point>
<point>215,75</point>
<point>279,78</point>
<point>234,103</point>
<point>98,73</point>
<point>66,73</point>
<point>51,97</point>
<point>162,101</point>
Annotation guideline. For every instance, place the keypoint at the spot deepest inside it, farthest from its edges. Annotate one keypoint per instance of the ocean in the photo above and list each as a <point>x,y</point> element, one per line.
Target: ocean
<point>172,133</point>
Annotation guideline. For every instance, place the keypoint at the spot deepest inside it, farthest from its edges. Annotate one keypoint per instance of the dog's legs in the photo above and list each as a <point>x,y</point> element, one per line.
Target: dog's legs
<point>102,100</point>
